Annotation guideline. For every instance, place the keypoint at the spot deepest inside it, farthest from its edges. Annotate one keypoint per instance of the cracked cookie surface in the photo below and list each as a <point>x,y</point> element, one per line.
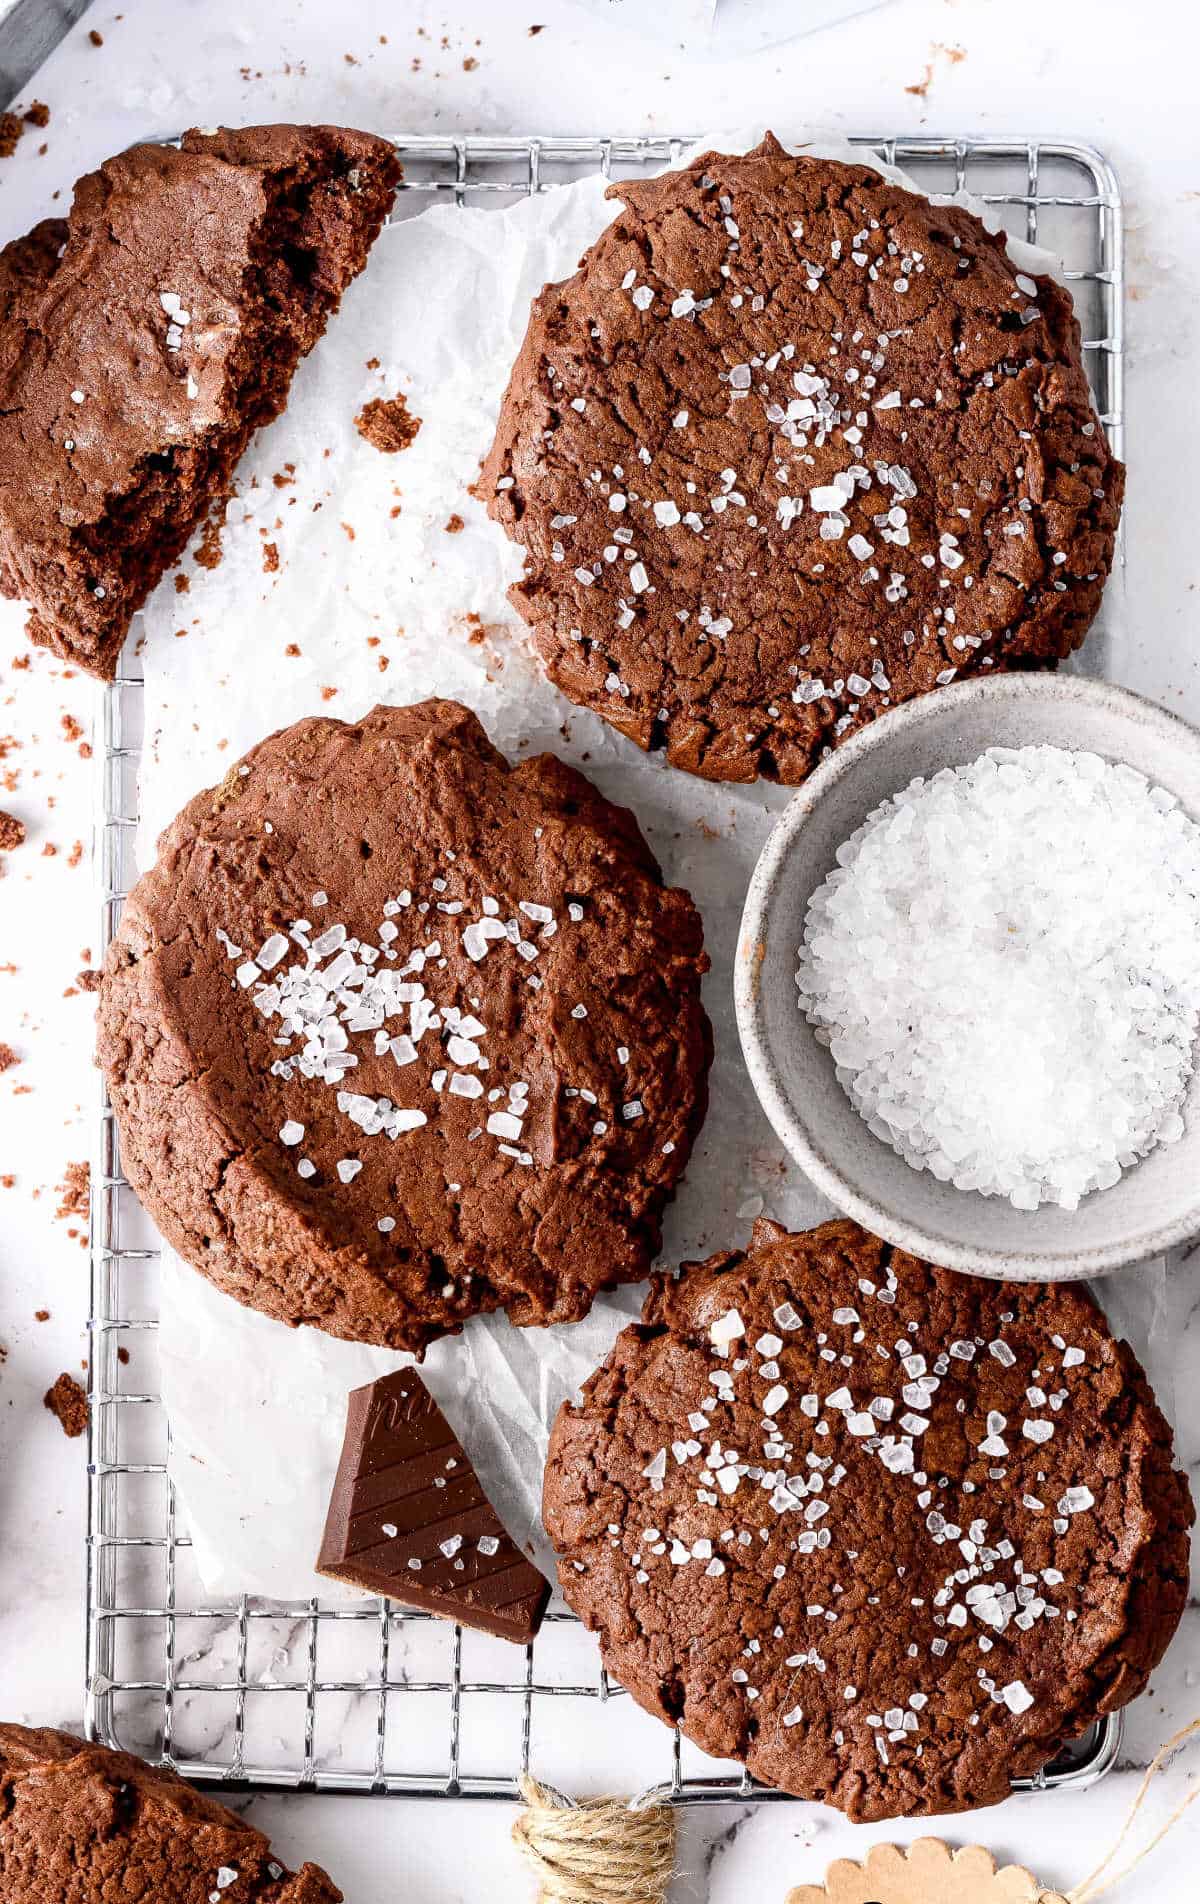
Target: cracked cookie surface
<point>792,446</point>
<point>886,1534</point>
<point>82,1825</point>
<point>396,1033</point>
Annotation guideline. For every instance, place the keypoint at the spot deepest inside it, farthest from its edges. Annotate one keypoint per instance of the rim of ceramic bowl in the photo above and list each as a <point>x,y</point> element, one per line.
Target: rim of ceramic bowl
<point>801,1142</point>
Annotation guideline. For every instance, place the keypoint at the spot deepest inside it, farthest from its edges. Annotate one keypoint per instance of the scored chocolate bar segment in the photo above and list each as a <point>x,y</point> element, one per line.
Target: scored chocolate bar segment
<point>409,1520</point>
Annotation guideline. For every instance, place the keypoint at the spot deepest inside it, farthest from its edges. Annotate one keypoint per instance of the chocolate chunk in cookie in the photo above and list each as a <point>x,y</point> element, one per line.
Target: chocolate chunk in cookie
<point>145,337</point>
<point>397,1033</point>
<point>792,446</point>
<point>886,1534</point>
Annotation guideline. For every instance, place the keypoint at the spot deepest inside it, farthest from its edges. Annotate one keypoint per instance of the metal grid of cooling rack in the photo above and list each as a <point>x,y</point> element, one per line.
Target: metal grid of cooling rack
<point>366,1697</point>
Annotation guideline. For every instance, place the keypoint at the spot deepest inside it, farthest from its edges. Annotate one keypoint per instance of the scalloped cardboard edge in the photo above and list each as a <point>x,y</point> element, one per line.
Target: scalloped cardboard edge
<point>928,1872</point>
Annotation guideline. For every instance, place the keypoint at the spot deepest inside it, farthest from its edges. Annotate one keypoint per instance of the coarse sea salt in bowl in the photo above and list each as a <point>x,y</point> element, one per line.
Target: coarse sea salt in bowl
<point>1154,1204</point>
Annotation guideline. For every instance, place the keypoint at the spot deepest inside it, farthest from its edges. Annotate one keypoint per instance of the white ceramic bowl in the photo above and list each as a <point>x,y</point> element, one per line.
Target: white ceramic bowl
<point>1154,1206</point>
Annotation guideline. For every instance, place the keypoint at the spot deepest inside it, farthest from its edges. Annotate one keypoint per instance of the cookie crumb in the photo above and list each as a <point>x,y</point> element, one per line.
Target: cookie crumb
<point>74,1192</point>
<point>12,832</point>
<point>97,39</point>
<point>36,114</point>
<point>455,525</point>
<point>67,1401</point>
<point>270,558</point>
<point>12,130</point>
<point>41,1315</point>
<point>209,553</point>
<point>88,980</point>
<point>8,1058</point>
<point>387,424</point>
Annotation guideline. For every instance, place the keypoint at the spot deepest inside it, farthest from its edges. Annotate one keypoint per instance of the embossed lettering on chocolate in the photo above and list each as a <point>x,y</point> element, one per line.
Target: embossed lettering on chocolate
<point>409,1520</point>
<point>794,445</point>
<point>396,1033</point>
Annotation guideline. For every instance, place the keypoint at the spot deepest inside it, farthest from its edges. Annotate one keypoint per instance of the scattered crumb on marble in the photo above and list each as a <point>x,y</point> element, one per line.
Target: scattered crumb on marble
<point>12,832</point>
<point>67,1401</point>
<point>953,54</point>
<point>74,1192</point>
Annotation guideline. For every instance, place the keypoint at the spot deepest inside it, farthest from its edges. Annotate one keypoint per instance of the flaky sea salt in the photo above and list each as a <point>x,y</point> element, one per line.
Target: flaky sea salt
<point>1004,965</point>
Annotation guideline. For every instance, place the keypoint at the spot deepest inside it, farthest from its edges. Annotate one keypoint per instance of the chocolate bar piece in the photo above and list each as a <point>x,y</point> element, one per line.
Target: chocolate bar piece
<point>409,1520</point>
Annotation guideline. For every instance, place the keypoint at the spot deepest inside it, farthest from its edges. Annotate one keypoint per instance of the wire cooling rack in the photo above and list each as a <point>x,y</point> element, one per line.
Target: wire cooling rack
<point>367,1697</point>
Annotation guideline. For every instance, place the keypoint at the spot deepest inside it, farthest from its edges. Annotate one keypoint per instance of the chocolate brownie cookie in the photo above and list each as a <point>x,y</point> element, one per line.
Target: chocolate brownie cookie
<point>887,1534</point>
<point>396,1033</point>
<point>145,337</point>
<point>794,445</point>
<point>80,1825</point>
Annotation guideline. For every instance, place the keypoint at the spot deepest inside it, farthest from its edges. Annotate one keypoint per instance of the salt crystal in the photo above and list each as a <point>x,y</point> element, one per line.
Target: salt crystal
<point>725,1329</point>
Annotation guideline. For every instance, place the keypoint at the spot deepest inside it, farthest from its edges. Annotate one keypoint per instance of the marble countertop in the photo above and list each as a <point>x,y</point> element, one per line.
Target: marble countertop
<point>1072,69</point>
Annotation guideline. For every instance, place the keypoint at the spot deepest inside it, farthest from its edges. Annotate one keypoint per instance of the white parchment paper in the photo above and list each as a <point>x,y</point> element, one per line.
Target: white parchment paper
<point>345,579</point>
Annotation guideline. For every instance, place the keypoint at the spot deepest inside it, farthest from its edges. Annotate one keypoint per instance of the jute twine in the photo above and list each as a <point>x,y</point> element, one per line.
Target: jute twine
<point>600,1851</point>
<point>1096,1884</point>
<point>606,1851</point>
